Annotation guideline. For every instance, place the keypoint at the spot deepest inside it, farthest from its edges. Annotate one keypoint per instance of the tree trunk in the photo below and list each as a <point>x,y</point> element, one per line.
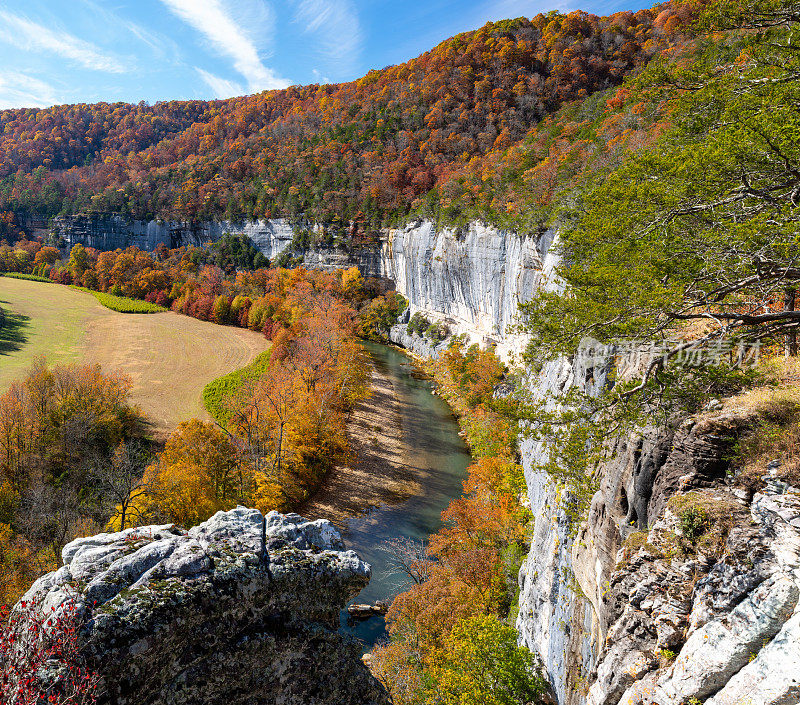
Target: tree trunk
<point>791,337</point>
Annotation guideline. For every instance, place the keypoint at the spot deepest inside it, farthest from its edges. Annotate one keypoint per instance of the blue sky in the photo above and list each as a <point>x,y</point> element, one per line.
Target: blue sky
<point>69,51</point>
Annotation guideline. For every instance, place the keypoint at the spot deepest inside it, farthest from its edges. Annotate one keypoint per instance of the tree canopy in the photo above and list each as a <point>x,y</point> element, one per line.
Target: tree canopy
<point>694,242</point>
<point>399,139</point>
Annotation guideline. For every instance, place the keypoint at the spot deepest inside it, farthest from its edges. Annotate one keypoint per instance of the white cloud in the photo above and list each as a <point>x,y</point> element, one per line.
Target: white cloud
<point>232,31</point>
<point>222,87</point>
<point>18,90</point>
<point>511,9</point>
<point>25,34</point>
<point>321,78</point>
<point>115,27</point>
<point>336,25</point>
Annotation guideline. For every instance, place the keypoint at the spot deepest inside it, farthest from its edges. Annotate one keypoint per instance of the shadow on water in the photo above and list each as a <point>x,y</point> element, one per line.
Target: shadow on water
<point>436,457</point>
<point>12,330</point>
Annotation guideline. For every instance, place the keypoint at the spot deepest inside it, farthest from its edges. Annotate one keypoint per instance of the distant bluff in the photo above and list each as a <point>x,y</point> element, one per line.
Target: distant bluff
<point>216,614</point>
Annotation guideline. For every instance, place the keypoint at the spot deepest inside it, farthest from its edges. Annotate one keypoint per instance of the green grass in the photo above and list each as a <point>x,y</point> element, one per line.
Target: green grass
<point>217,394</point>
<point>29,277</point>
<point>41,320</point>
<point>122,304</point>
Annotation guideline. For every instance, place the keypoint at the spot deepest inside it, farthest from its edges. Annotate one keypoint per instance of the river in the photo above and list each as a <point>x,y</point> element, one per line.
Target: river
<point>411,464</point>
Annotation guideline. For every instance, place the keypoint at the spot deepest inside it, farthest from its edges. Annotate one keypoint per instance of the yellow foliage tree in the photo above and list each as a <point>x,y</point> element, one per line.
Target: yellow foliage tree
<point>199,473</point>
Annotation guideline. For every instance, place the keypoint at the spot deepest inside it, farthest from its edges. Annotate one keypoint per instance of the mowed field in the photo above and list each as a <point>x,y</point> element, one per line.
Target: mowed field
<point>169,358</point>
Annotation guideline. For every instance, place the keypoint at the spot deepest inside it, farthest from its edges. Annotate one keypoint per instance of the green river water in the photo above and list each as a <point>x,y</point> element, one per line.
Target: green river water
<point>437,456</point>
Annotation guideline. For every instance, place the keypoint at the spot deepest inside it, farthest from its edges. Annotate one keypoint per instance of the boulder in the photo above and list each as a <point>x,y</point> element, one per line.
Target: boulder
<point>240,609</point>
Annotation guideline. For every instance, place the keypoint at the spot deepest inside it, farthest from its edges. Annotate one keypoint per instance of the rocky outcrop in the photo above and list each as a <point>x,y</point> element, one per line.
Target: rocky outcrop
<point>472,278</point>
<point>730,619</point>
<point>111,232</point>
<point>221,613</point>
<point>632,609</point>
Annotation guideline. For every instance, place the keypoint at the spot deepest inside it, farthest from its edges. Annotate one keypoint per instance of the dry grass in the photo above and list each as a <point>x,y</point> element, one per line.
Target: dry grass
<point>636,541</point>
<point>705,520</point>
<point>169,358</point>
<point>774,433</point>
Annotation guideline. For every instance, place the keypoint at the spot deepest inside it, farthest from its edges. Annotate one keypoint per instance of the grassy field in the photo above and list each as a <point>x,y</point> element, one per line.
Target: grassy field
<point>217,393</point>
<point>170,358</point>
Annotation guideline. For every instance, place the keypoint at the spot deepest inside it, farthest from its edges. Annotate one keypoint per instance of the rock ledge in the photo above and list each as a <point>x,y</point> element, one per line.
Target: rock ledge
<point>216,614</point>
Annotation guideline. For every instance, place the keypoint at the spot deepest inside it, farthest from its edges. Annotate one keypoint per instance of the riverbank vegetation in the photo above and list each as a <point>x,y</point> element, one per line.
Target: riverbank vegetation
<point>466,592</point>
<point>281,419</point>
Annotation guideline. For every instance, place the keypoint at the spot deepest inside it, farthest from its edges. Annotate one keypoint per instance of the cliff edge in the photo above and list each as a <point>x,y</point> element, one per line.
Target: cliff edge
<point>219,613</point>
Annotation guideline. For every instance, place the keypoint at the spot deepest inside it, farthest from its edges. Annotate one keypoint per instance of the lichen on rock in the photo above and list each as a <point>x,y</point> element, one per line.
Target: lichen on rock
<point>219,613</point>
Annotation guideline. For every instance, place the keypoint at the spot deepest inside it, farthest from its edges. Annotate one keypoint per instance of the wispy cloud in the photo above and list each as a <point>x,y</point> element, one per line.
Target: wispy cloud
<point>17,89</point>
<point>217,21</point>
<point>320,77</point>
<point>222,87</point>
<point>336,26</point>
<point>117,28</point>
<point>26,34</point>
<point>494,10</point>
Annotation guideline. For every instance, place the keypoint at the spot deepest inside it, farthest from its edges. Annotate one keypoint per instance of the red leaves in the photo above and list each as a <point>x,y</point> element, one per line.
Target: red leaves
<point>34,643</point>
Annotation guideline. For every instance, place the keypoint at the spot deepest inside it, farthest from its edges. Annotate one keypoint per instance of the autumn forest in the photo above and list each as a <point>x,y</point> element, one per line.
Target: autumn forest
<point>452,133</point>
<point>565,121</point>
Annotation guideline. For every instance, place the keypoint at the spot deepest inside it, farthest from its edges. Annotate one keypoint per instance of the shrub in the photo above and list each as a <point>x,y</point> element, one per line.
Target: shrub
<point>437,332</point>
<point>418,324</point>
<point>693,522</point>
<point>704,520</point>
<point>50,649</point>
<point>122,304</point>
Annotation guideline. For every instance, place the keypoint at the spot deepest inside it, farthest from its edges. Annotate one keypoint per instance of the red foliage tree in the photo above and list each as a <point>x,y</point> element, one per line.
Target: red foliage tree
<point>40,659</point>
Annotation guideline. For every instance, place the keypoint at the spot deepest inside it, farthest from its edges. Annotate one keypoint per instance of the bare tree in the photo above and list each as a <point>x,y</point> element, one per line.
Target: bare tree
<point>408,557</point>
<point>120,480</point>
<point>51,515</point>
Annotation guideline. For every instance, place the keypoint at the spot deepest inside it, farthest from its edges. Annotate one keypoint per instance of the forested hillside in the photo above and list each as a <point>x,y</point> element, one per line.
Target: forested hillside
<point>418,136</point>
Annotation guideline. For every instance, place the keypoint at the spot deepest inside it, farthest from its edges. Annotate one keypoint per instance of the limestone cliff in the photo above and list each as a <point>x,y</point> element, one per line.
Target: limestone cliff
<point>110,232</point>
<point>216,614</point>
<point>473,278</point>
<point>632,609</point>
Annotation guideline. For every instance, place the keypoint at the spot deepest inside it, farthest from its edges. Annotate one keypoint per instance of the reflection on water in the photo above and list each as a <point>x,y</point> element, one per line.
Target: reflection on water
<point>435,456</point>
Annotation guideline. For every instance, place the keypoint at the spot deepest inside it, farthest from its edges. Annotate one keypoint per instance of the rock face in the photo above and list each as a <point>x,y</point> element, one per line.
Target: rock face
<point>619,614</point>
<point>110,232</point>
<point>212,615</point>
<point>473,278</point>
<point>552,620</point>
